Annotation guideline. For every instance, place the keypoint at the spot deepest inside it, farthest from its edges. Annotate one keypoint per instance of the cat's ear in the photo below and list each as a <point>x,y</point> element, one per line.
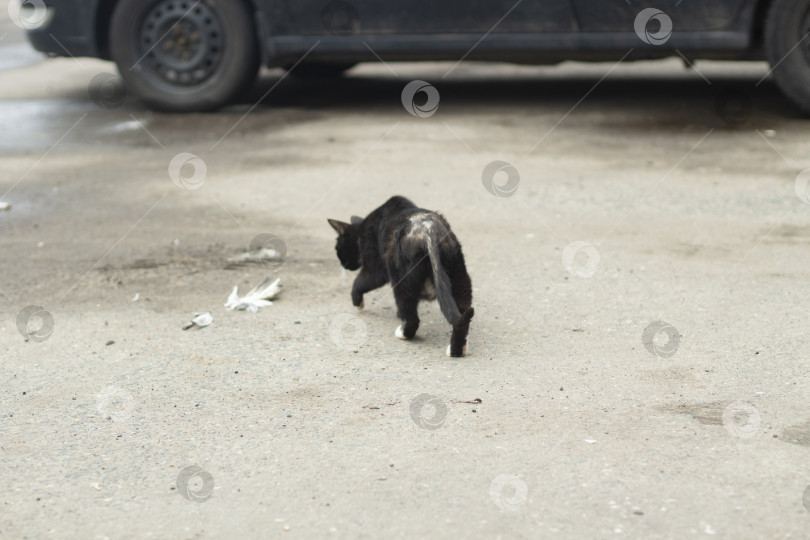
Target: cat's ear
<point>339,226</point>
<point>357,220</point>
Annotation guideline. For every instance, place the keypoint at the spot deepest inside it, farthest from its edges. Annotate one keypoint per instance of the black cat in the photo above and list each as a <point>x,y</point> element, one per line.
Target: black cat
<point>414,250</point>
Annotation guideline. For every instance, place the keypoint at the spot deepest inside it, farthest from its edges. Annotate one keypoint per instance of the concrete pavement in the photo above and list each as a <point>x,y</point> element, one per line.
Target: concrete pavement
<point>638,361</point>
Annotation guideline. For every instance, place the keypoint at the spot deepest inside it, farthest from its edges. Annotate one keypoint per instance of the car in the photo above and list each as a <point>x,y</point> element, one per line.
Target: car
<point>199,55</point>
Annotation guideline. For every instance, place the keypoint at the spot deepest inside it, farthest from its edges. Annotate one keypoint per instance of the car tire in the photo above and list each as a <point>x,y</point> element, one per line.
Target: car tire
<point>319,70</point>
<point>787,25</point>
<point>182,55</point>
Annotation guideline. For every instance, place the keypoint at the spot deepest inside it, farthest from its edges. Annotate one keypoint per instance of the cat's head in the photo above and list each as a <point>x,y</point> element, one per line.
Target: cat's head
<point>348,242</point>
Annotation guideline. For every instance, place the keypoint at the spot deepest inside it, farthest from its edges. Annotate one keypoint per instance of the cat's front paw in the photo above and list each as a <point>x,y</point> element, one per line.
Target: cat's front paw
<point>361,305</point>
<point>399,332</point>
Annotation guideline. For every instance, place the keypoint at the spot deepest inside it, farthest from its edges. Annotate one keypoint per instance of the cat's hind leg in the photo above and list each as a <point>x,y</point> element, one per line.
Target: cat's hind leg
<point>458,340</point>
<point>407,312</point>
<point>462,293</point>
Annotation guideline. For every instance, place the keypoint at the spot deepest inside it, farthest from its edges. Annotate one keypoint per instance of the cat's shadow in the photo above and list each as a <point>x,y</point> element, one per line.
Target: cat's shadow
<point>379,314</point>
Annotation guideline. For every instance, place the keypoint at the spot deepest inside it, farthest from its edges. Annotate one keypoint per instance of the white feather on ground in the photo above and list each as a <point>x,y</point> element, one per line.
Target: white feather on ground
<point>259,296</point>
<point>200,320</point>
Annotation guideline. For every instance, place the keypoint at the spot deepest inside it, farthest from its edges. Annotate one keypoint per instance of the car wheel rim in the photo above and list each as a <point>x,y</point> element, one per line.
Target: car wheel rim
<point>181,42</point>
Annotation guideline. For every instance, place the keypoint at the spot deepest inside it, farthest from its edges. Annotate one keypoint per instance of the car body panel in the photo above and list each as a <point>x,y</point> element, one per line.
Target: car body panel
<point>531,31</point>
<point>700,16</point>
<point>428,17</point>
<point>518,48</point>
<point>71,31</point>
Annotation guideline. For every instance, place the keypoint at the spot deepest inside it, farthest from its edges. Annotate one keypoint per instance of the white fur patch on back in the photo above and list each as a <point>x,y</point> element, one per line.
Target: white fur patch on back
<point>421,225</point>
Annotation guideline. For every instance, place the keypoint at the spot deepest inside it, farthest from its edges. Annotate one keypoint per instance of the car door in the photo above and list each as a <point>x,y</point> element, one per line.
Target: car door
<point>686,15</point>
<point>370,17</point>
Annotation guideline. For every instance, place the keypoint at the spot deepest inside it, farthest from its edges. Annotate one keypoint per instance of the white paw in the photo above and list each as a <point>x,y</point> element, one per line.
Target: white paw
<point>362,305</point>
<point>463,351</point>
<point>398,332</point>
<point>448,350</point>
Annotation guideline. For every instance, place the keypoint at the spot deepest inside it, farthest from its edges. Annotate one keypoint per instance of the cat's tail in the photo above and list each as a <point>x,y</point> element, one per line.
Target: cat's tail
<point>441,282</point>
